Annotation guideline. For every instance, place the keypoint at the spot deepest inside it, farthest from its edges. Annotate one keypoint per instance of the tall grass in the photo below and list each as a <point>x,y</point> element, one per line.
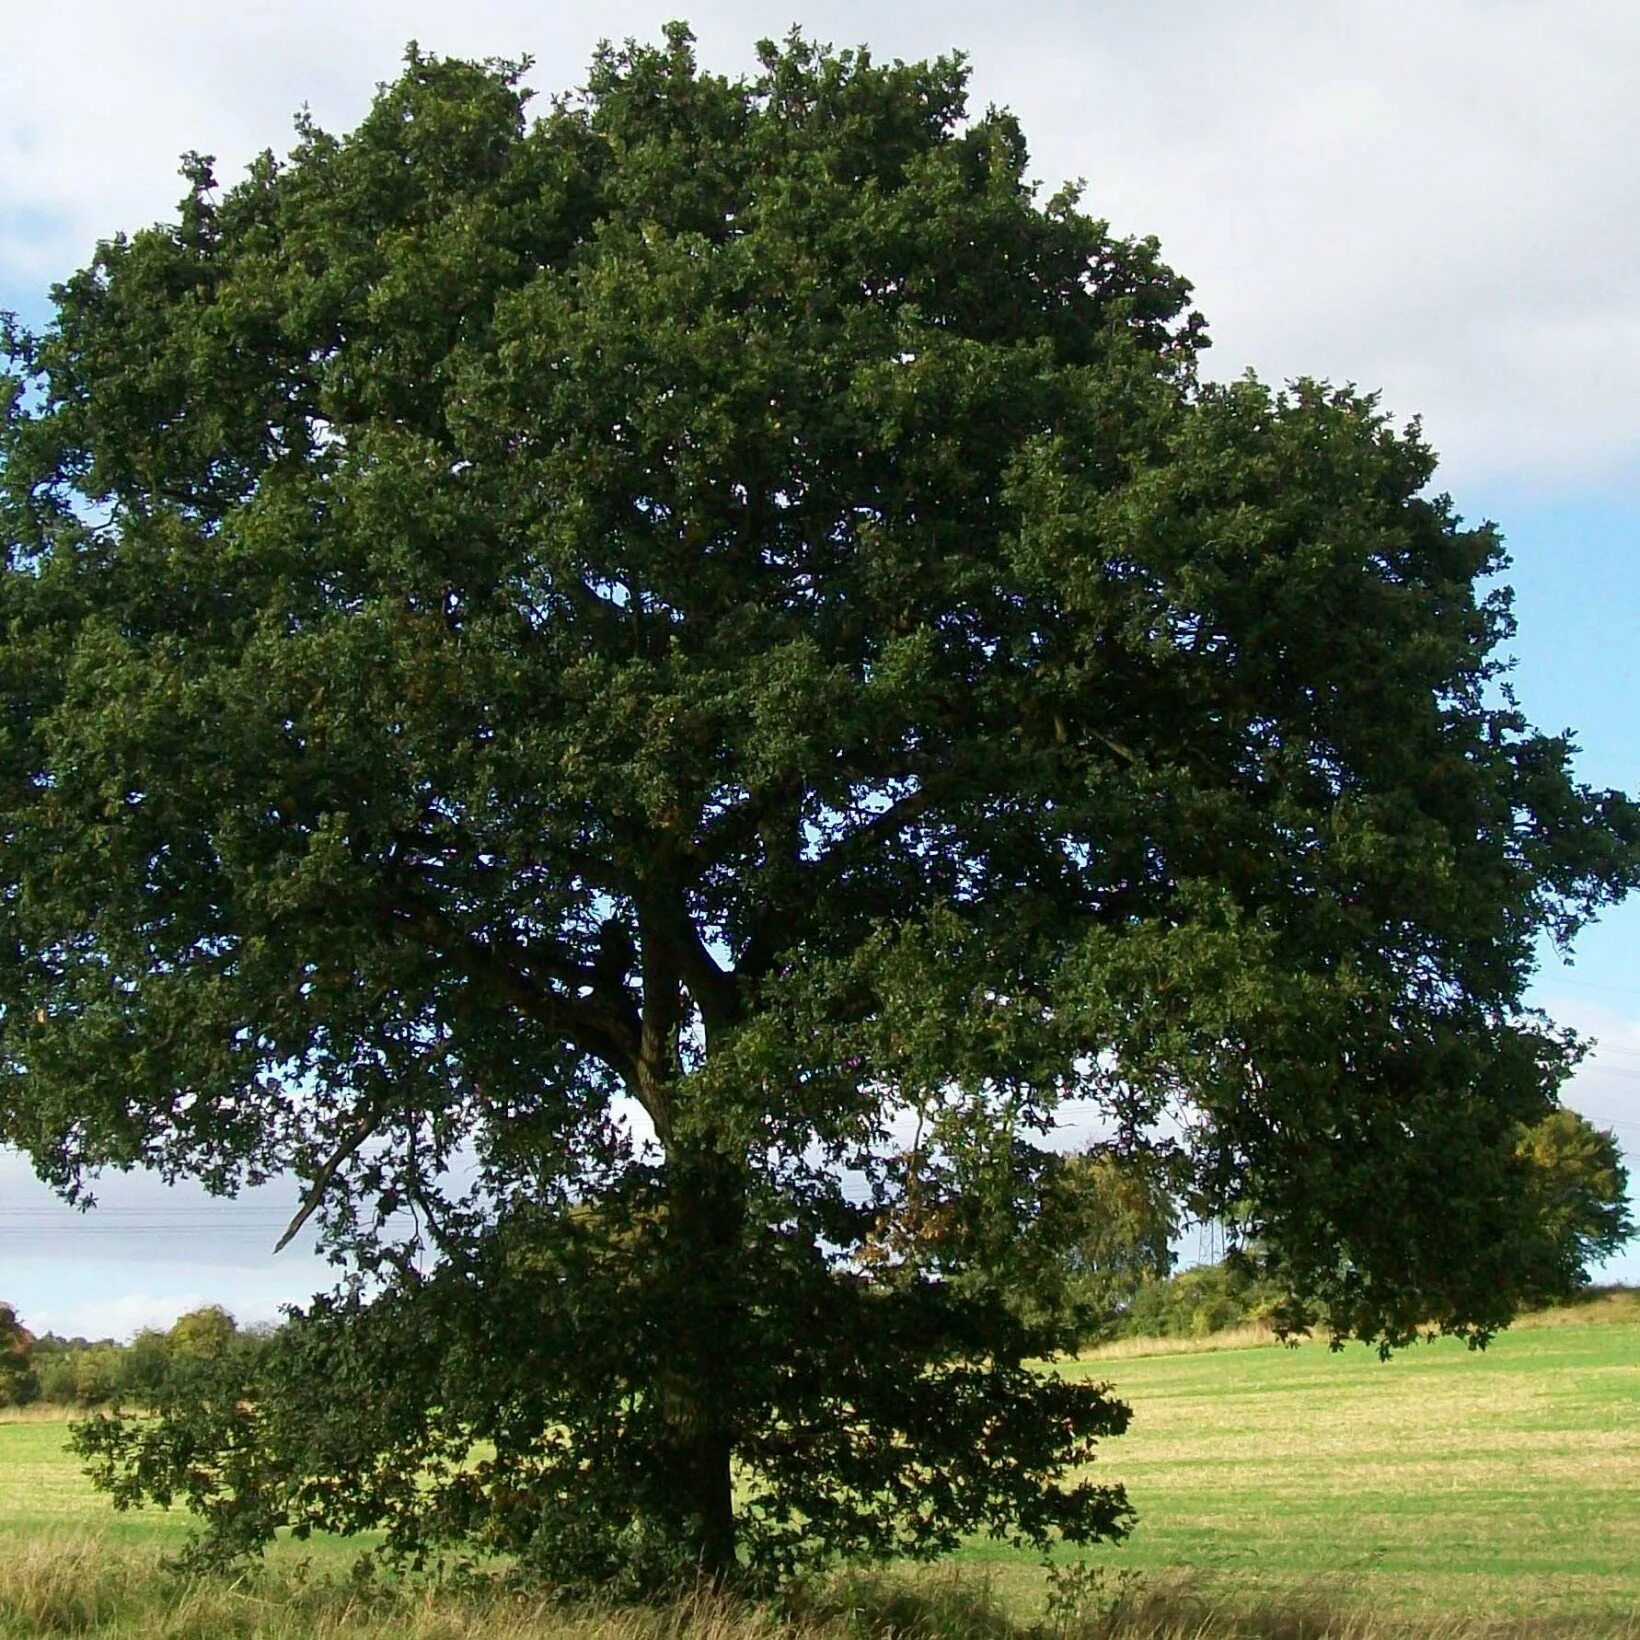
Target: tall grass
<point>1599,1306</point>
<point>1253,1335</point>
<point>84,1586</point>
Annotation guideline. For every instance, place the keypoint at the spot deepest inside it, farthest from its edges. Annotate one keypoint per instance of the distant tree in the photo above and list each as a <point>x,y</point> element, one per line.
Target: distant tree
<point>145,1365</point>
<point>1205,1299</point>
<point>647,651</point>
<point>1579,1185</point>
<point>1112,1219</point>
<point>17,1380</point>
<point>95,1374</point>
<point>202,1335</point>
<point>1065,1242</point>
<point>54,1371</point>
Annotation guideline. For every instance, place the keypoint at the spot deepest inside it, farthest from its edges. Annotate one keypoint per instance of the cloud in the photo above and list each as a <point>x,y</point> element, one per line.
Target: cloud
<point>1437,201</point>
<point>1606,1089</point>
<point>85,1306</point>
<point>120,1317</point>
<point>147,1220</point>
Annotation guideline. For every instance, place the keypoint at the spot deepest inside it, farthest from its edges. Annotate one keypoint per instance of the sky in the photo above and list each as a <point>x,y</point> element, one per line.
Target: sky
<point>1435,201</point>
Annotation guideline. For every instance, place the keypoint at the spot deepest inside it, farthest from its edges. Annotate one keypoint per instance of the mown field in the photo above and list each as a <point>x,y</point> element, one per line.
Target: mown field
<point>1443,1480</point>
<point>1442,1492</point>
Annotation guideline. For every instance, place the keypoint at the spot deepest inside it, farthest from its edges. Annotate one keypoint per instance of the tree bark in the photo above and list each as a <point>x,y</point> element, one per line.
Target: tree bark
<point>706,1215</point>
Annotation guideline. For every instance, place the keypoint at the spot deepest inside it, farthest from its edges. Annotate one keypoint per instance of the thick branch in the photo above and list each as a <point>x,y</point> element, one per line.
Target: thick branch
<point>665,924</point>
<point>658,1036</point>
<point>356,1136</point>
<point>600,1025</point>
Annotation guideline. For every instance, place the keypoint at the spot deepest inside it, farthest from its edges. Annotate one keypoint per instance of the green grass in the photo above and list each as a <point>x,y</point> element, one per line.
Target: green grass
<point>1505,1481</point>
<point>45,1496</point>
<point>1443,1487</point>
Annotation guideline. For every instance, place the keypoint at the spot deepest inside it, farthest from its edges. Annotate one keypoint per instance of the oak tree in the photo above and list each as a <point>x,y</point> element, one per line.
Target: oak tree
<point>571,681</point>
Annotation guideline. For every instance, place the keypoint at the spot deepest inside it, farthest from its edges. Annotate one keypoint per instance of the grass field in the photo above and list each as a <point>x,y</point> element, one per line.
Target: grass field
<point>1444,1480</point>
<point>1430,1493</point>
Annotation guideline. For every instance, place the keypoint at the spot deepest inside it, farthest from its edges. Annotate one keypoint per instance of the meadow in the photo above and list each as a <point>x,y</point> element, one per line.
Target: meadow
<point>1291,1492</point>
<point>1443,1481</point>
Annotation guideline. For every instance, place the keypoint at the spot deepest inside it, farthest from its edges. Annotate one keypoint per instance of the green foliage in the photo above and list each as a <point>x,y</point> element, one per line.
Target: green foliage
<point>1198,1302</point>
<point>80,1374</point>
<point>368,1414</point>
<point>571,681</point>
<point>145,1364</point>
<point>66,1366</point>
<point>202,1335</point>
<point>18,1383</point>
<point>1112,1220</point>
<point>54,1372</point>
<point>1579,1185</point>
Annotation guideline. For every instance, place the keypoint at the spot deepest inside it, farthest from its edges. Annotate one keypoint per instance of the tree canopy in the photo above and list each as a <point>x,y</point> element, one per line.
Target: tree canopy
<point>16,1358</point>
<point>574,681</point>
<point>1580,1188</point>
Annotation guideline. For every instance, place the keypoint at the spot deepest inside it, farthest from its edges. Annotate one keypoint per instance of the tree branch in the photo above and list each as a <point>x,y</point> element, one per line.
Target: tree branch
<point>602,1025</point>
<point>665,923</point>
<point>761,949</point>
<point>357,1134</point>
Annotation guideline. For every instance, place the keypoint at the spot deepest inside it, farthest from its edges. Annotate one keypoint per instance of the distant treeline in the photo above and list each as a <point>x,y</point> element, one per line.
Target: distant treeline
<point>83,1372</point>
<point>87,1373</point>
<point>1214,1298</point>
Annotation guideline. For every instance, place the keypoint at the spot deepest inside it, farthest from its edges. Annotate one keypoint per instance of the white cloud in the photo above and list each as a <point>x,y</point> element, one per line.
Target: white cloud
<point>1438,201</point>
<point>76,1307</point>
<point>1606,1089</point>
<point>119,1317</point>
<point>1606,1086</point>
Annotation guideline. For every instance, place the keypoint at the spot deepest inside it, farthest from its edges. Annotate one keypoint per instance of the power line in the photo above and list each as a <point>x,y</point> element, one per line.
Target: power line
<point>1592,985</point>
<point>1630,1078</point>
<point>1601,1049</point>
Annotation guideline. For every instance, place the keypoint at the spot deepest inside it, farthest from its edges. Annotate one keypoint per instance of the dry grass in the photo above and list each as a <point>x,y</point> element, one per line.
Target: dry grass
<point>1251,1337</point>
<point>38,1413</point>
<point>1601,1306</point>
<point>86,1586</point>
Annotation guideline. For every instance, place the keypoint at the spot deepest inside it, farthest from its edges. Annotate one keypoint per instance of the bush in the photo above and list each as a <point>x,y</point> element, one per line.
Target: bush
<point>1199,1302</point>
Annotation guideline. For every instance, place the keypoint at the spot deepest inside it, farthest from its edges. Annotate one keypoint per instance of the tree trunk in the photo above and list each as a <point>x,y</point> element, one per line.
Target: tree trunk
<point>715,1505</point>
<point>706,1214</point>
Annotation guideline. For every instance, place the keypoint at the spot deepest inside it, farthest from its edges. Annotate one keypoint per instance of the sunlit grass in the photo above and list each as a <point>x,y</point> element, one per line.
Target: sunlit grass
<point>1503,1481</point>
<point>1281,1492</point>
